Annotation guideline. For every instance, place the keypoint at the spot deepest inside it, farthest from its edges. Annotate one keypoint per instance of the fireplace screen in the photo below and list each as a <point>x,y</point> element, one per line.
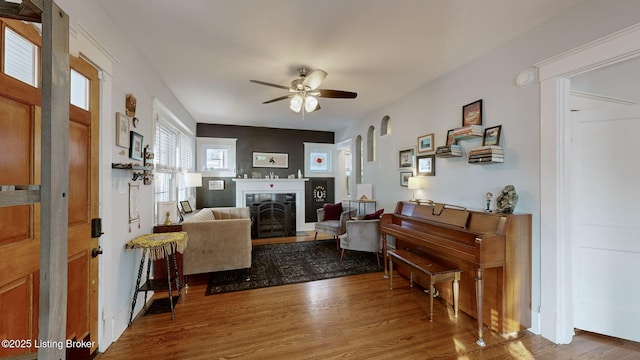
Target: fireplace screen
<point>272,215</point>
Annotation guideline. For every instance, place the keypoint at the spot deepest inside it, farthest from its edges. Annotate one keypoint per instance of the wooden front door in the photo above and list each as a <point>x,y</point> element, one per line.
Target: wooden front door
<point>20,225</point>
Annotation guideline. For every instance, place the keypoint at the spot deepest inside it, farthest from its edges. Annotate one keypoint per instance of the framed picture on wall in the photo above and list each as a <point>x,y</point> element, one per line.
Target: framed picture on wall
<point>135,151</point>
<point>134,196</point>
<point>450,139</point>
<point>319,160</point>
<point>472,113</point>
<point>426,165</point>
<point>122,130</point>
<point>492,136</point>
<point>270,160</point>
<point>406,158</point>
<point>425,143</point>
<point>216,184</point>
<point>404,178</point>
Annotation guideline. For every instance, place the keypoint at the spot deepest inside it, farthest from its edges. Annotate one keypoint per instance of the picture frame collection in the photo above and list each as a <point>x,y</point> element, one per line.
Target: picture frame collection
<point>422,157</point>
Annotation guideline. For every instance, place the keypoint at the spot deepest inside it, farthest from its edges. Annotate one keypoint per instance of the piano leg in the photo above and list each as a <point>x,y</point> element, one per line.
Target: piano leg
<point>384,255</point>
<point>479,300</point>
<point>456,293</point>
<point>390,270</point>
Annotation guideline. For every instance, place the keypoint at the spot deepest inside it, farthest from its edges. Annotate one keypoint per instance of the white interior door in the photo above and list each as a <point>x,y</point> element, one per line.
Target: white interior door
<point>605,231</point>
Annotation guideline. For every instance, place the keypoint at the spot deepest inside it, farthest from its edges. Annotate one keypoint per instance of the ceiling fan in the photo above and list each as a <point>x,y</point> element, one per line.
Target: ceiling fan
<point>304,91</point>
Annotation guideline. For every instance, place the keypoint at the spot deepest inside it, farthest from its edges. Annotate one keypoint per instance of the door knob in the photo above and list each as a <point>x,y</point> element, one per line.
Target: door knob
<point>95,252</point>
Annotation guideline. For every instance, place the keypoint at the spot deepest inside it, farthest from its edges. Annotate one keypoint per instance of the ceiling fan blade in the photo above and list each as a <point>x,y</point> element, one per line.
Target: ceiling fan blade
<point>269,84</point>
<point>335,94</point>
<point>278,99</point>
<point>313,80</point>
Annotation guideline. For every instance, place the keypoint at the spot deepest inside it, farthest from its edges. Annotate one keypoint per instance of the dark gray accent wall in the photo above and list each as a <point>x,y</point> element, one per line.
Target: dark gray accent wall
<point>256,139</point>
<point>318,191</point>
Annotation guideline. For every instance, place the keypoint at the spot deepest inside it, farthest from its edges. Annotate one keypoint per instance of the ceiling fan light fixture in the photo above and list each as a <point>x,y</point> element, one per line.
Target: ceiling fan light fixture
<point>304,91</point>
<point>310,104</point>
<point>296,103</point>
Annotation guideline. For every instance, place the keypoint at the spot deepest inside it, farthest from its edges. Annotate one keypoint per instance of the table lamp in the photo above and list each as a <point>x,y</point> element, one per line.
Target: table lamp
<point>192,180</point>
<point>415,183</point>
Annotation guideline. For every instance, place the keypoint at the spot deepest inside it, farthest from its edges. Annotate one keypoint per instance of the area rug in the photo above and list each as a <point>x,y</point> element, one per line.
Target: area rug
<point>290,263</point>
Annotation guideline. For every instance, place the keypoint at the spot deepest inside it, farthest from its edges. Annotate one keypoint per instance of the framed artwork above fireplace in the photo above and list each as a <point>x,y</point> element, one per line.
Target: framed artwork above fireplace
<point>270,160</point>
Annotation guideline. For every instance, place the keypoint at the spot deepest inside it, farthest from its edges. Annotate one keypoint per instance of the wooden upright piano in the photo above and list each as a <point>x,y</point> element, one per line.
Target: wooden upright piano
<point>493,250</point>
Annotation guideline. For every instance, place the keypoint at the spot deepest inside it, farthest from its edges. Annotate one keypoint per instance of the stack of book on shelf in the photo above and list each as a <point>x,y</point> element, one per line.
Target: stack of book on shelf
<point>449,151</point>
<point>468,132</point>
<point>486,154</point>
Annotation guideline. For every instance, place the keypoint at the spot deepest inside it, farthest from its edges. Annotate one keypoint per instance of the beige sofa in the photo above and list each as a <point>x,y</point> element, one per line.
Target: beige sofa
<point>219,239</point>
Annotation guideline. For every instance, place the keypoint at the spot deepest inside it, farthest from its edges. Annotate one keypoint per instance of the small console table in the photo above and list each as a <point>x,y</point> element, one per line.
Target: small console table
<point>158,265</point>
<point>158,246</point>
<point>362,205</point>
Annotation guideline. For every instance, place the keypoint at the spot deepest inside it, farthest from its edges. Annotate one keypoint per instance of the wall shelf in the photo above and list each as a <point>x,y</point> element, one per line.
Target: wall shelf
<point>130,167</point>
<point>486,155</point>
<point>468,132</point>
<point>449,151</point>
<point>144,172</point>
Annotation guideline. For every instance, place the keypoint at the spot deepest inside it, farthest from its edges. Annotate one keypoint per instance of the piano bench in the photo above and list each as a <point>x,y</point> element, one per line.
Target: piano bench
<point>431,267</point>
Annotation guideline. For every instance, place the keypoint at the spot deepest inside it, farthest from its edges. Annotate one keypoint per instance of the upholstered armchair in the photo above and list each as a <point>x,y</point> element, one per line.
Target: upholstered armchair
<point>332,220</point>
<point>362,235</point>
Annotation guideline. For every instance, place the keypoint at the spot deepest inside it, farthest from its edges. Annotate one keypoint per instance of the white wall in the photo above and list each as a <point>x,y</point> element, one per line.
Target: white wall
<point>436,108</point>
<point>95,36</point>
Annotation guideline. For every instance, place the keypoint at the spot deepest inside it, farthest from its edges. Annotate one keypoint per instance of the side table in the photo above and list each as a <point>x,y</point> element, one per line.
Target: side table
<point>158,246</point>
<point>362,205</point>
<point>159,270</point>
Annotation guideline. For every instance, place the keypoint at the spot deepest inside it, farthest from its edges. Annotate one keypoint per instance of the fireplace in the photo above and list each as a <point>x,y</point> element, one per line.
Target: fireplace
<point>276,190</point>
<point>272,214</point>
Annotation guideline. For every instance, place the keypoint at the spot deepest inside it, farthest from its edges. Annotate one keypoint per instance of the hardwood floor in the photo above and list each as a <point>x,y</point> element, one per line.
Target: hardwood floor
<point>354,317</point>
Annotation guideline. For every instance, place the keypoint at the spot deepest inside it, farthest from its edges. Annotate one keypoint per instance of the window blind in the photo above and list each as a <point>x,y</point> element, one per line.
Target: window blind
<point>165,148</point>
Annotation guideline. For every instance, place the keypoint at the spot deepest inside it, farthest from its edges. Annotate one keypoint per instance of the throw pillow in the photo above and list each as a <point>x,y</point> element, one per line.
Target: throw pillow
<point>332,211</point>
<point>375,215</point>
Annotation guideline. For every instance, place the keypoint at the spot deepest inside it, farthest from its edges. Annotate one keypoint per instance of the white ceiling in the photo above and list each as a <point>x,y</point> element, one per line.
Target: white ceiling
<point>206,51</point>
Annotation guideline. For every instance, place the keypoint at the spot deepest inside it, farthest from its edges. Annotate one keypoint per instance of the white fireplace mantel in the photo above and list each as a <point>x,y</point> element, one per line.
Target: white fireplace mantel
<point>273,186</point>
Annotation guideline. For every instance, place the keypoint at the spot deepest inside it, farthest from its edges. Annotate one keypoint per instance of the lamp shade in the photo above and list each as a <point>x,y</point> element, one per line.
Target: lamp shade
<point>310,103</point>
<point>415,183</point>
<point>296,103</point>
<point>192,180</point>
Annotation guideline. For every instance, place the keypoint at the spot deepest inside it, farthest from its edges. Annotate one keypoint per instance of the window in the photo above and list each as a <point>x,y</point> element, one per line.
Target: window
<point>79,90</point>
<point>217,156</point>
<point>21,58</point>
<point>185,164</point>
<point>174,154</point>
<point>359,158</point>
<point>385,125</point>
<point>371,144</point>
